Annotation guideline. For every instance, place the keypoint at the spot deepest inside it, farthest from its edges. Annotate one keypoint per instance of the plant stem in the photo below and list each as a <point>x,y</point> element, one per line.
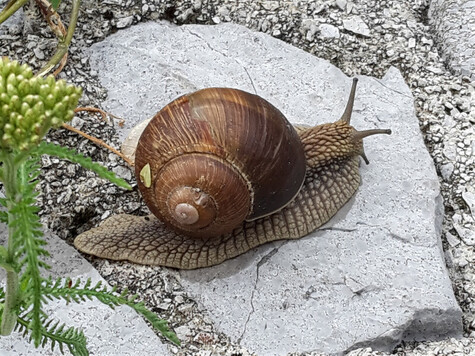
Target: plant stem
<point>9,316</point>
<point>63,45</point>
<point>10,9</point>
<point>11,189</point>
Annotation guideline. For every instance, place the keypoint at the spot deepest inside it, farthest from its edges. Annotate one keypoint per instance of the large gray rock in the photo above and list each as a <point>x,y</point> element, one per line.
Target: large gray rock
<point>375,274</point>
<point>453,22</point>
<point>109,332</point>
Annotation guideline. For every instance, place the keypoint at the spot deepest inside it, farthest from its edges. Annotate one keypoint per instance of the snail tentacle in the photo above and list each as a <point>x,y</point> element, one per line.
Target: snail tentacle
<point>346,117</point>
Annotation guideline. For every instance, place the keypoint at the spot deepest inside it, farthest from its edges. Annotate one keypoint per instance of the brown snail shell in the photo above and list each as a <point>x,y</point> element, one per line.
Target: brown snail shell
<point>332,176</point>
<point>211,159</point>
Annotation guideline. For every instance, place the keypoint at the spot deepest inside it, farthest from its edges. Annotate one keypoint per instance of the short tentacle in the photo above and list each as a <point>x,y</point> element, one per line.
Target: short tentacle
<point>359,135</point>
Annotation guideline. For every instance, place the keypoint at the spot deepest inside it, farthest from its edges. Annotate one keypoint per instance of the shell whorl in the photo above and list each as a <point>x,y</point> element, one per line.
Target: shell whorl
<point>200,187</point>
<point>212,159</point>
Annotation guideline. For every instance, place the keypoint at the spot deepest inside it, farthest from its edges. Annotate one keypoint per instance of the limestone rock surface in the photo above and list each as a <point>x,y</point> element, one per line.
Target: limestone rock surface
<point>375,274</point>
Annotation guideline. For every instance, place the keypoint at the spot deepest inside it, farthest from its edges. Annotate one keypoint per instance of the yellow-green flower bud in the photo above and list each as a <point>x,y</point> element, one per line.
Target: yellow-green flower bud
<point>35,139</point>
<point>11,89</point>
<point>30,106</point>
<point>6,139</point>
<point>30,117</point>
<point>55,121</point>
<point>24,108</point>
<point>15,102</point>
<point>37,128</point>
<point>4,110</point>
<point>9,129</point>
<point>49,100</point>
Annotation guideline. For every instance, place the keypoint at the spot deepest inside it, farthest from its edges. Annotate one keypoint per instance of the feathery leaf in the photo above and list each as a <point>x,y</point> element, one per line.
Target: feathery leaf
<point>86,162</point>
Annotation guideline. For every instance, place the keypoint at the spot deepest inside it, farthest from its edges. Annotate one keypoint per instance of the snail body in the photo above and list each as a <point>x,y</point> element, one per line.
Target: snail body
<point>223,171</point>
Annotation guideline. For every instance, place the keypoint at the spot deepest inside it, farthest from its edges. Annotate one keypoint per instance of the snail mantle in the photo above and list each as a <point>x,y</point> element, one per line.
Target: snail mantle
<point>374,274</point>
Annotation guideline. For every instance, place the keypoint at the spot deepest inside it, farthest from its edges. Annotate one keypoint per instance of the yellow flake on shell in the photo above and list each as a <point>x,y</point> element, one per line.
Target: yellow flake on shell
<point>146,176</point>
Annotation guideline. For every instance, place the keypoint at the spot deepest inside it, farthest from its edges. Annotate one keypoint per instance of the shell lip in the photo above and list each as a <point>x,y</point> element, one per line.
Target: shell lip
<point>281,207</point>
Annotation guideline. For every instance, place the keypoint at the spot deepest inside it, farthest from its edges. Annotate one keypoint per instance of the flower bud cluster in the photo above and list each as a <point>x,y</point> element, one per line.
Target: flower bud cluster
<point>30,106</point>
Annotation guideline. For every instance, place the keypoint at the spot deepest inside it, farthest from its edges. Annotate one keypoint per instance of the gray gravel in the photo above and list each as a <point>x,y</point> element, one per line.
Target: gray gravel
<point>453,22</point>
<point>358,37</point>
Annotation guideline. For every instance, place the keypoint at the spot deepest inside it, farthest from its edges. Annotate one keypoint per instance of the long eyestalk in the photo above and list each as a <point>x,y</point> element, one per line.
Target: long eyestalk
<point>349,106</point>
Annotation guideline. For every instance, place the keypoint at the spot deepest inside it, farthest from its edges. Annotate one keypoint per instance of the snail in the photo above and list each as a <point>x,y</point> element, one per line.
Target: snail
<point>223,171</point>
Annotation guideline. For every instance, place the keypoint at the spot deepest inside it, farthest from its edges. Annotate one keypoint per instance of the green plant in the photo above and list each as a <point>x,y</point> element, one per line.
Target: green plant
<point>48,9</point>
<point>29,107</point>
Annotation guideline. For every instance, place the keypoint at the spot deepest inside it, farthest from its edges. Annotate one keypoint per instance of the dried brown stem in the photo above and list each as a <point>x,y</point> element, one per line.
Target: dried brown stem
<point>52,17</point>
<point>98,142</point>
<point>61,65</point>
<point>54,21</point>
<point>64,36</point>
<point>92,109</point>
<point>103,113</point>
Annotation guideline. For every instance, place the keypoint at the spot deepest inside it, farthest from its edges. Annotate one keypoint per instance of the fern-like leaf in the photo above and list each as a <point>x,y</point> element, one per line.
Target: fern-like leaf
<point>28,244</point>
<point>159,324</point>
<point>72,291</point>
<point>54,333</point>
<point>86,162</point>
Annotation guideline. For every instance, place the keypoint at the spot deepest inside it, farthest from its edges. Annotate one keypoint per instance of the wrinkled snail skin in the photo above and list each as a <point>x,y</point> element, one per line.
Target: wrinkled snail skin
<point>332,154</point>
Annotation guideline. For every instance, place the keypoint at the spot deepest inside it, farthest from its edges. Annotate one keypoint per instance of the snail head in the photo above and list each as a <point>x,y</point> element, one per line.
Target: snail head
<point>337,141</point>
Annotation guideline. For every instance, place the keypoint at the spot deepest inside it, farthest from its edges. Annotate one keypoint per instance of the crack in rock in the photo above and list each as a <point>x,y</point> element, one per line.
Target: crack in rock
<point>206,42</point>
<point>262,262</point>
<point>392,89</point>
<point>248,75</point>
<point>337,229</point>
<point>357,288</point>
<point>226,56</point>
<point>411,241</point>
